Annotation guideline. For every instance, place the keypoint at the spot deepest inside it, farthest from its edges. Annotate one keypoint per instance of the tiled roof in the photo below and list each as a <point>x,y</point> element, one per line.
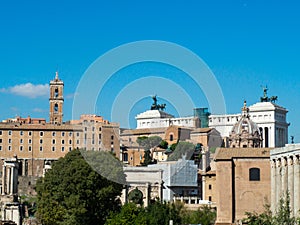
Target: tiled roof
<point>229,153</point>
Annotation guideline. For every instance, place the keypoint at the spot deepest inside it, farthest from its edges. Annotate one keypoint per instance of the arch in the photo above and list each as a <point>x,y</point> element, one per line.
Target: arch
<point>136,196</point>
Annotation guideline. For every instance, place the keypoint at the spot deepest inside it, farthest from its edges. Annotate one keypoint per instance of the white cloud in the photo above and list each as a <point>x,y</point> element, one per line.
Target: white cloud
<point>28,90</point>
<point>38,110</point>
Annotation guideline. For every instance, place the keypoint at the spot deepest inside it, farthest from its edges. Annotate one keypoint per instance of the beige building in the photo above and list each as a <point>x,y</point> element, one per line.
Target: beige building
<point>243,182</point>
<point>37,143</point>
<point>285,176</point>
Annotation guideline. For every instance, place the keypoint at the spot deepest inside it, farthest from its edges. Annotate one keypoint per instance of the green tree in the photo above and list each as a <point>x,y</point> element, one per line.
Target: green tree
<point>182,148</point>
<point>204,215</point>
<point>130,214</point>
<point>163,144</point>
<point>72,193</point>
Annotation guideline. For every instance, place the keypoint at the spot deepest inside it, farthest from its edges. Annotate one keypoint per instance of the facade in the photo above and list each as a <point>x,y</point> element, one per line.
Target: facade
<point>157,118</point>
<point>149,181</point>
<point>243,182</point>
<point>285,176</point>
<point>269,117</point>
<point>37,143</point>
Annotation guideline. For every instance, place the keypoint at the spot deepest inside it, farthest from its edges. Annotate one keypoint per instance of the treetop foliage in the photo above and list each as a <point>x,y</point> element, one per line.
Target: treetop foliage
<point>72,193</point>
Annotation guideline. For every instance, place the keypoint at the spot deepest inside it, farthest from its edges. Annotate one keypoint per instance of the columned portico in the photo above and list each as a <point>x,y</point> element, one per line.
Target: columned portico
<point>285,176</point>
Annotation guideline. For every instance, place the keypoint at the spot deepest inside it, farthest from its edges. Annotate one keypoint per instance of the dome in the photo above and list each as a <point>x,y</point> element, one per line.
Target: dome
<point>245,133</point>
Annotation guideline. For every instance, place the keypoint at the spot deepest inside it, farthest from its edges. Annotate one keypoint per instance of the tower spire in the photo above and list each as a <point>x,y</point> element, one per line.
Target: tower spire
<point>245,110</point>
<point>56,75</point>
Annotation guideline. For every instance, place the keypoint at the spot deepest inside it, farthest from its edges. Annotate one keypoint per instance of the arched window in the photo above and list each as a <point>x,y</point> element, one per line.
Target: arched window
<point>254,174</point>
<point>56,92</point>
<point>171,137</point>
<point>56,108</point>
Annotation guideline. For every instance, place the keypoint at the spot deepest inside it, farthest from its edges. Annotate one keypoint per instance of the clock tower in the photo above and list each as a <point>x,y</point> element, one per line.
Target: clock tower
<point>56,100</point>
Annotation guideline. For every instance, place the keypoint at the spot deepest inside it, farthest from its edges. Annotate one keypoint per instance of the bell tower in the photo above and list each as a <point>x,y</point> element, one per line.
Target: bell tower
<point>56,100</point>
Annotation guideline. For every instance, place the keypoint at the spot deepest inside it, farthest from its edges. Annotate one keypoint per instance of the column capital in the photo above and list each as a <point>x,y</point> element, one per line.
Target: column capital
<point>290,161</point>
<point>283,161</point>
<point>296,159</point>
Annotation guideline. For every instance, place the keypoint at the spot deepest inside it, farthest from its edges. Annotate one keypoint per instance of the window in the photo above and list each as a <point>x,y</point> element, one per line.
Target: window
<point>70,142</point>
<point>41,134</point>
<point>29,133</point>
<point>41,141</point>
<point>77,134</point>
<point>171,137</point>
<point>209,186</point>
<point>254,174</point>
<point>0,140</point>
<point>53,149</point>
<point>93,128</point>
<point>62,149</point>
<point>53,141</point>
<point>0,132</point>
<point>55,108</point>
<point>41,148</point>
<point>21,148</point>
<point>99,136</point>
<point>9,141</point>
<point>0,147</point>
<point>56,93</point>
<point>209,198</point>
<point>125,157</point>
<point>70,149</point>
<point>62,142</point>
<point>70,134</point>
<point>62,134</point>
<point>9,148</point>
<point>53,134</point>
<point>99,128</point>
<point>21,141</point>
<point>29,148</point>
<point>29,141</point>
<point>9,132</point>
<point>112,137</point>
<point>77,142</point>
<point>21,132</point>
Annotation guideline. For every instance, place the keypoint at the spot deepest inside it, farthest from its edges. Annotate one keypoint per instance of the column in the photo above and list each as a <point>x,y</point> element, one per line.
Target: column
<point>278,181</point>
<point>291,182</point>
<point>12,174</point>
<point>296,186</point>
<point>283,176</point>
<point>273,185</point>
<point>8,184</point>
<point>3,180</point>
<point>23,167</point>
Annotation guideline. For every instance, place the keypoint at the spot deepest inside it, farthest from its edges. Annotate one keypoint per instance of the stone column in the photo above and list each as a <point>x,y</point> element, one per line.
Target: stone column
<point>283,176</point>
<point>23,167</point>
<point>296,186</point>
<point>273,185</point>
<point>278,181</point>
<point>291,182</point>
<point>3,180</point>
<point>12,174</point>
<point>8,184</point>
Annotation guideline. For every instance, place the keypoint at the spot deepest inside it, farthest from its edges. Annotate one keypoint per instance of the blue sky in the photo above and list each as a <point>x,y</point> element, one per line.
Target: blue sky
<point>246,44</point>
